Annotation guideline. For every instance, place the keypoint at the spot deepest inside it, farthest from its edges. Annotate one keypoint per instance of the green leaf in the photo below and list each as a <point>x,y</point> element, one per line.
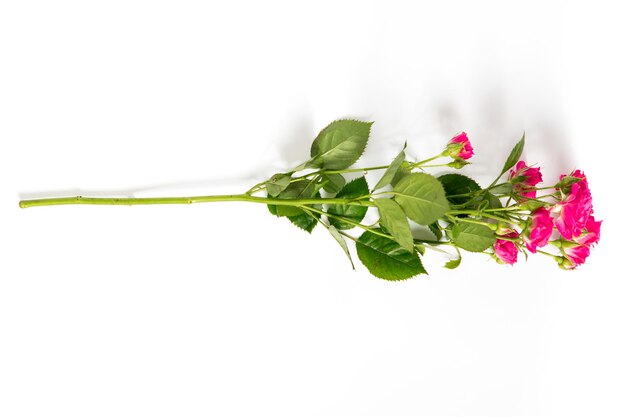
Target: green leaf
<point>436,229</point>
<point>494,202</point>
<point>305,221</point>
<point>277,183</point>
<point>403,171</point>
<point>453,263</point>
<point>457,187</point>
<point>472,237</point>
<point>421,197</point>
<point>392,170</point>
<point>353,189</point>
<point>503,189</point>
<point>340,144</point>
<point>394,220</point>
<point>386,259</point>
<point>342,242</point>
<point>515,155</point>
<point>333,183</point>
<point>566,183</point>
<point>532,205</point>
<point>295,190</point>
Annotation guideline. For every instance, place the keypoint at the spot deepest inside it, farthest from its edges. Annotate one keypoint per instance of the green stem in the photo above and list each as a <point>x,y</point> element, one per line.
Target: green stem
<point>367,228</point>
<point>555,257</point>
<point>506,219</point>
<point>345,171</point>
<point>491,210</point>
<point>344,234</point>
<point>466,220</point>
<point>476,193</point>
<point>108,201</point>
<point>349,221</point>
<point>493,184</point>
<point>498,218</point>
<point>260,186</point>
<point>425,161</point>
<point>431,166</point>
<point>519,204</point>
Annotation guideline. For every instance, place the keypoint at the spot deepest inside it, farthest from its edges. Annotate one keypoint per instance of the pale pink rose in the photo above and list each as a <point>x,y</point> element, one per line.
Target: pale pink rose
<point>505,250</point>
<point>590,234</point>
<point>524,179</point>
<point>464,151</point>
<point>540,230</point>
<point>575,255</point>
<point>573,212</point>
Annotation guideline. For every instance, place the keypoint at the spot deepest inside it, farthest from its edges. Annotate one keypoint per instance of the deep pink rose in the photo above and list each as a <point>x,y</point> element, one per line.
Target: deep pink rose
<point>573,212</point>
<point>540,230</point>
<point>505,250</point>
<point>460,147</point>
<point>590,234</point>
<point>575,255</point>
<point>524,178</point>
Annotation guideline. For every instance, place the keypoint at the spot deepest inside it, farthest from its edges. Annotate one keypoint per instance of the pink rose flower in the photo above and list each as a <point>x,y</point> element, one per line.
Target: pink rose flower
<point>573,212</point>
<point>460,147</point>
<point>540,230</point>
<point>524,178</point>
<point>575,255</point>
<point>590,234</point>
<point>505,250</point>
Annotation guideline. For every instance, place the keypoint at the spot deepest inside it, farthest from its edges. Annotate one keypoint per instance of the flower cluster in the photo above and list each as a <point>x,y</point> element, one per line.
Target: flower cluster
<point>563,218</point>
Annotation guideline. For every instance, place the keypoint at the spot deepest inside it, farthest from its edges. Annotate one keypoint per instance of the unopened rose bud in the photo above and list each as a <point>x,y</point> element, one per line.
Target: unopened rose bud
<point>459,147</point>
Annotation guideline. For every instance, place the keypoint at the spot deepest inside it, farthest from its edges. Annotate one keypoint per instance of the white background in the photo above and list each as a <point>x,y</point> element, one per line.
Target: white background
<point>225,310</point>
